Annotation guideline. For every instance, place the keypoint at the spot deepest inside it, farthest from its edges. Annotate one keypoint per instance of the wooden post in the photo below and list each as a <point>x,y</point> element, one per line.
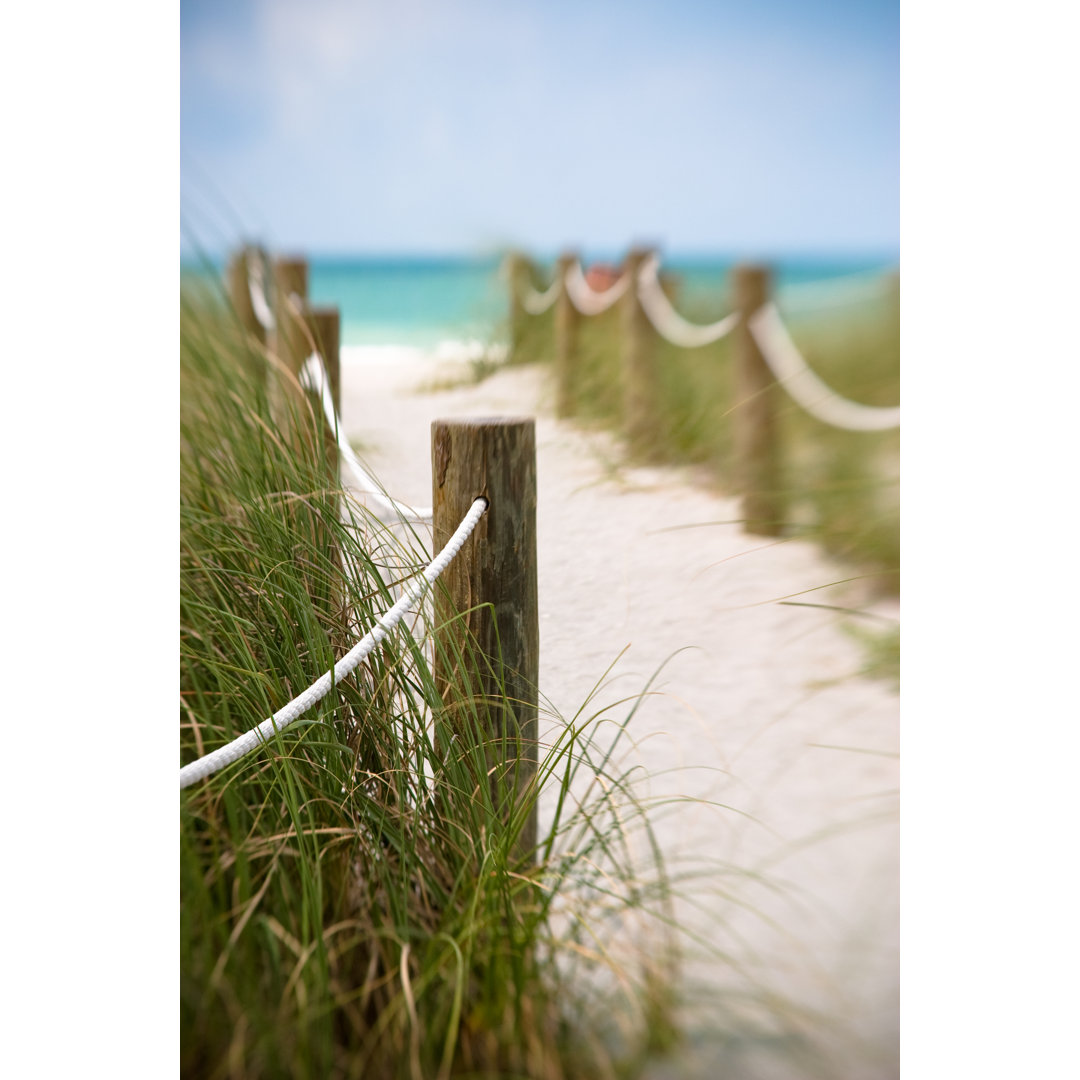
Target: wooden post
<point>492,648</point>
<point>296,336</point>
<point>240,292</point>
<point>516,270</point>
<point>325,324</point>
<point>754,419</point>
<point>566,333</point>
<point>291,342</point>
<point>640,423</point>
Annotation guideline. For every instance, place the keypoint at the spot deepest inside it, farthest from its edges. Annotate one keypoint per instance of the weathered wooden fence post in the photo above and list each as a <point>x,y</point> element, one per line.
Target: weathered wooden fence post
<point>517,268</point>
<point>290,293</point>
<point>566,335</point>
<point>239,290</point>
<point>754,418</point>
<point>639,389</point>
<point>325,324</point>
<point>488,635</point>
<point>301,329</point>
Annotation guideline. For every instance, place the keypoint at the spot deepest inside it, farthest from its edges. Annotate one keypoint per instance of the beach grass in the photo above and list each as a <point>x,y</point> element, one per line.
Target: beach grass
<point>881,647</point>
<point>354,900</point>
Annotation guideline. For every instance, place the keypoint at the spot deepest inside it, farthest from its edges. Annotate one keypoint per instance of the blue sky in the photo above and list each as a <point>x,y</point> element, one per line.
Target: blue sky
<point>419,126</point>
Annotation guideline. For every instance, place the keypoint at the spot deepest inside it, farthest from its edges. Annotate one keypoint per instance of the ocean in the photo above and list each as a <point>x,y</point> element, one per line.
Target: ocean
<point>448,302</point>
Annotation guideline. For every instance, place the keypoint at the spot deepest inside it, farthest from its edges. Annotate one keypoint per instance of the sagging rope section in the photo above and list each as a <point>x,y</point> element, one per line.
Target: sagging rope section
<point>667,322</point>
<point>807,389</point>
<point>258,736</point>
<point>585,298</point>
<point>536,303</point>
<point>314,377</point>
<point>778,349</point>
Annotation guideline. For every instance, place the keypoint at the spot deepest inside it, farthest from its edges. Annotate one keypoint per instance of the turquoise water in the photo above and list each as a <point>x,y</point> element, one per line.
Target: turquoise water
<point>411,301</point>
<point>424,301</point>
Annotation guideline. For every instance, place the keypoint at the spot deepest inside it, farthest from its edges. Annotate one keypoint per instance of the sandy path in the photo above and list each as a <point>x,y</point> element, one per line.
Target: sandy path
<point>763,713</point>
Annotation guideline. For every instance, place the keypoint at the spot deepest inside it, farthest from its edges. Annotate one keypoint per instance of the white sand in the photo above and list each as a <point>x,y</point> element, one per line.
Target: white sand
<point>764,713</point>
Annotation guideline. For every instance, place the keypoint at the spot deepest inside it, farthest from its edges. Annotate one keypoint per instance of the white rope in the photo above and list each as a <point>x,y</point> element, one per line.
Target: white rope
<point>585,298</point>
<point>257,290</point>
<point>536,303</point>
<point>667,321</point>
<point>225,755</point>
<point>838,292</point>
<point>791,370</point>
<point>313,376</point>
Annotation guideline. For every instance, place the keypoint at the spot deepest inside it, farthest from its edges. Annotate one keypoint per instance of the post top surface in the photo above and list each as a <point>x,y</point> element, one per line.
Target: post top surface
<point>484,421</point>
<point>755,269</point>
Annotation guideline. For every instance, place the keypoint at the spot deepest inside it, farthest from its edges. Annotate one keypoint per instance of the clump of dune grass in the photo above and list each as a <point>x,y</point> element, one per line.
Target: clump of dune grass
<point>841,488</point>
<point>354,898</point>
<point>881,649</point>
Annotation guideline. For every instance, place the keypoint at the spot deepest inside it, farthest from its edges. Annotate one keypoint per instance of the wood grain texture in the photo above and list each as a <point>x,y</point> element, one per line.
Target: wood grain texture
<point>485,601</point>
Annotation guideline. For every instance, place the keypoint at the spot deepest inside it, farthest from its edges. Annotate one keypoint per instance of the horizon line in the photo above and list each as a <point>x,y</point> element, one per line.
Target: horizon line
<point>742,254</point>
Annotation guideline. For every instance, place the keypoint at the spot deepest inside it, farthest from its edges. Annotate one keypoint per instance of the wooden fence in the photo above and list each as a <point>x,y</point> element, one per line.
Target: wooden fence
<point>486,610</point>
<point>754,418</point>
